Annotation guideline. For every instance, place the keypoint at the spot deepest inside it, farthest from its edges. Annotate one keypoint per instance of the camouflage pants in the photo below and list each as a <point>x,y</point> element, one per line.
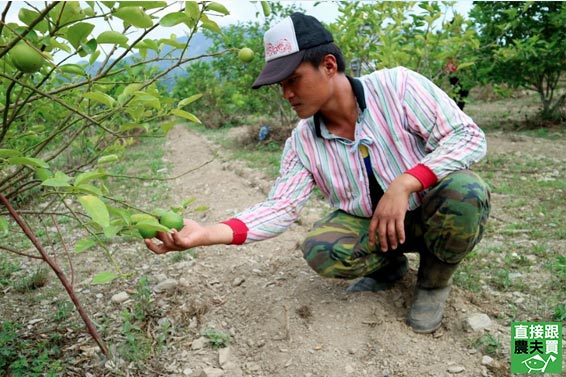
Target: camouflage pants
<point>449,223</point>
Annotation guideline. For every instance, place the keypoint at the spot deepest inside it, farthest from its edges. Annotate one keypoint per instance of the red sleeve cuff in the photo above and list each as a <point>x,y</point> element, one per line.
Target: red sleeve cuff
<point>239,230</point>
<point>425,176</point>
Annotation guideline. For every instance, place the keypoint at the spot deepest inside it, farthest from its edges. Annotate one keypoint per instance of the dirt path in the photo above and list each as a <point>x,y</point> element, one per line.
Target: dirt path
<point>284,319</point>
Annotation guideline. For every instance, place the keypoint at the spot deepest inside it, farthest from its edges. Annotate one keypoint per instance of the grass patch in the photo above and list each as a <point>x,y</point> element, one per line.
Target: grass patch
<point>525,268</point>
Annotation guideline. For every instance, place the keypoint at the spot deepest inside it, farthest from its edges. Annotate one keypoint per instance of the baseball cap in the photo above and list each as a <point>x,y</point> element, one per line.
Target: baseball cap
<point>285,45</point>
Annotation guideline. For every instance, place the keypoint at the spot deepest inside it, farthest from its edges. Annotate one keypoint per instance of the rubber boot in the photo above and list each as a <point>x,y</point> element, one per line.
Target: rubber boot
<point>384,278</point>
<point>434,280</point>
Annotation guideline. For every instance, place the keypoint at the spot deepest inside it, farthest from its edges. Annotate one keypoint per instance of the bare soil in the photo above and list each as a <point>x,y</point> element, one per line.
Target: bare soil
<point>283,319</point>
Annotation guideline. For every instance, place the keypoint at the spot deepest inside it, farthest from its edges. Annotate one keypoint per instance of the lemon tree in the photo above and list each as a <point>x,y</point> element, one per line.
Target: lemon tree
<point>80,83</point>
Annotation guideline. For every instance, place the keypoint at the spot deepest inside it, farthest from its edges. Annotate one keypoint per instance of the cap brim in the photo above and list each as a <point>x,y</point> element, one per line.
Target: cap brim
<point>278,69</point>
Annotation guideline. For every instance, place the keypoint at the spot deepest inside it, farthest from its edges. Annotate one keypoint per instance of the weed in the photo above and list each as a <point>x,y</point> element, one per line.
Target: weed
<point>39,278</point>
<point>142,300</point>
<point>182,255</point>
<point>7,268</point>
<point>217,338</point>
<point>487,344</point>
<point>559,313</point>
<point>136,346</point>
<point>27,357</point>
<point>64,310</point>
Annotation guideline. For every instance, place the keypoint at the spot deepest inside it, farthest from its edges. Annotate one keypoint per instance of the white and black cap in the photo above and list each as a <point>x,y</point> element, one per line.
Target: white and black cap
<point>285,45</point>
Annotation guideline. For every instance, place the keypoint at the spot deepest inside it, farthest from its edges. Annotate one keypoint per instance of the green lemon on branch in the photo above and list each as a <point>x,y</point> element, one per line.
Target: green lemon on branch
<point>172,220</point>
<point>246,54</point>
<point>25,58</point>
<point>149,229</point>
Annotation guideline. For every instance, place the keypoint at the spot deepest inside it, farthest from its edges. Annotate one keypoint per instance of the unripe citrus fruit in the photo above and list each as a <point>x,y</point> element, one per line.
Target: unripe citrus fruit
<point>172,220</point>
<point>246,54</point>
<point>25,58</point>
<point>146,231</point>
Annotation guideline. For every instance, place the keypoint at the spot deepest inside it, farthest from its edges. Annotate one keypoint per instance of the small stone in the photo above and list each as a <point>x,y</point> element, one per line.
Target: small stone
<point>120,297</point>
<point>455,369</point>
<point>224,356</point>
<point>238,281</point>
<point>478,321</point>
<point>199,343</point>
<point>349,369</point>
<point>166,285</point>
<point>486,360</point>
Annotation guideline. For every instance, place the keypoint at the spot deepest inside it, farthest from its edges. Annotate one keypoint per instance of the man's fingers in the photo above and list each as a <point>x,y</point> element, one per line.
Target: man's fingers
<point>392,234</point>
<point>401,231</point>
<point>383,236</point>
<point>157,249</point>
<point>372,231</point>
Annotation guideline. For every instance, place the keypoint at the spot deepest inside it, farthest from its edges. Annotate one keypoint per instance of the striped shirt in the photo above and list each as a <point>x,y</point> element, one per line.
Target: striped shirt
<point>408,125</point>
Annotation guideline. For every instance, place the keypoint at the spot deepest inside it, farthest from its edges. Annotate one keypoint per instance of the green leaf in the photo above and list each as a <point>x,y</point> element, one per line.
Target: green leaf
<point>134,16</point>
<point>96,209</point>
<point>186,115</point>
<point>131,89</point>
<point>201,208</point>
<point>88,176</point>
<point>84,244</point>
<point>121,214</point>
<point>104,277</point>
<point>101,98</point>
<point>29,161</point>
<point>88,48</point>
<point>112,230</point>
<point>43,174</point>
<point>147,100</point>
<point>60,179</point>
<point>107,159</point>
<point>186,101</point>
<point>112,37</point>
<point>266,8</point>
<point>172,42</point>
<point>192,10</point>
<point>465,65</point>
<point>94,56</point>
<point>217,7</point>
<point>167,126</point>
<point>173,19</point>
<point>9,153</point>
<point>152,225</point>
<point>85,188</point>
<point>211,25</point>
<point>28,16</point>
<point>143,4</point>
<point>75,69</point>
<point>78,33</point>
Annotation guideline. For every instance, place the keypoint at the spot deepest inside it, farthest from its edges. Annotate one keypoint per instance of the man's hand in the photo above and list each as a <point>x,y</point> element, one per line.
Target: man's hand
<point>192,235</point>
<point>388,221</point>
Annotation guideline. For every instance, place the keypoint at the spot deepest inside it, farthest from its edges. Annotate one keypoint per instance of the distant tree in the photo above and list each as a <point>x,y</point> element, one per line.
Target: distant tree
<point>523,44</point>
<point>428,37</point>
<point>225,81</point>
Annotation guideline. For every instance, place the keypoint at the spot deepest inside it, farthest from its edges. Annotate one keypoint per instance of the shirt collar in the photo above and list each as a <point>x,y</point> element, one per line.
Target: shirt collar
<point>358,89</point>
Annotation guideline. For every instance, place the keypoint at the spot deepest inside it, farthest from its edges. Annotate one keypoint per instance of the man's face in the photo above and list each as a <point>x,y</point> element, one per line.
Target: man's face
<point>306,89</point>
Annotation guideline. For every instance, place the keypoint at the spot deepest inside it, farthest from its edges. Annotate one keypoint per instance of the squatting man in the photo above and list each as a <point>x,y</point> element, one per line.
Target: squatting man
<point>390,151</point>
